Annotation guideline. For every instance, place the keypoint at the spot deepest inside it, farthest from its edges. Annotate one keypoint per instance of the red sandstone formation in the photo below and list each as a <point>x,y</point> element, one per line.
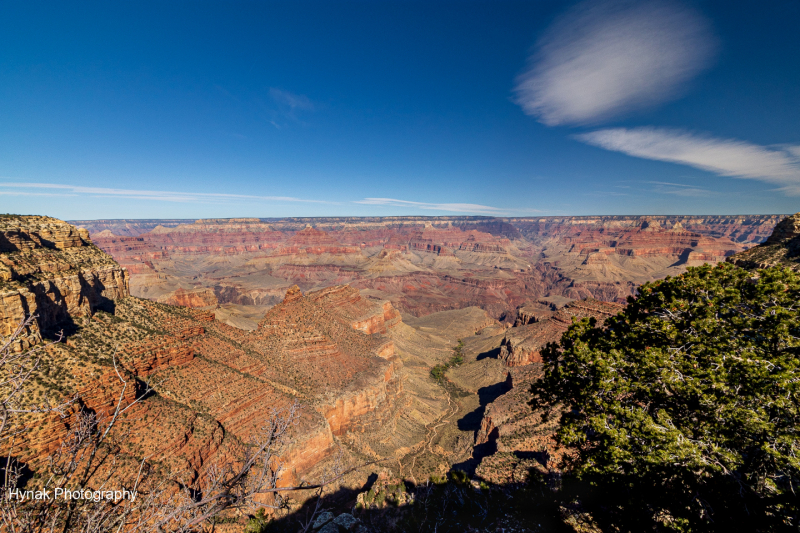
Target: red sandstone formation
<point>313,341</point>
<point>314,241</point>
<point>369,317</point>
<point>52,270</point>
<point>522,345</point>
<point>216,236</point>
<point>202,297</point>
<point>445,241</point>
<point>134,253</point>
<point>146,357</point>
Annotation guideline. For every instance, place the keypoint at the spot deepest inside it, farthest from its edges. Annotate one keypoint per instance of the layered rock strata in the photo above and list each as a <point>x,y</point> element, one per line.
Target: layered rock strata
<point>366,316</point>
<point>199,297</point>
<point>51,270</point>
<point>422,265</point>
<point>314,340</point>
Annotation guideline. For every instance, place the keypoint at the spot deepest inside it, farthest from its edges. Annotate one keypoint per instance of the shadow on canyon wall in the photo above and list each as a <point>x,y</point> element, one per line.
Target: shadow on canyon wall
<point>447,506</point>
<point>548,502</point>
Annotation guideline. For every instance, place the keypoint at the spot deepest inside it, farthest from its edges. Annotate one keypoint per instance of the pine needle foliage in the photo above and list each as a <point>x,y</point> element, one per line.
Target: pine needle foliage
<point>686,405</point>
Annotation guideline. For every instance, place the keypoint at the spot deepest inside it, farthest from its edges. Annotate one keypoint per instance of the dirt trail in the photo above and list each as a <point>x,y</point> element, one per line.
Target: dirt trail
<point>432,430</point>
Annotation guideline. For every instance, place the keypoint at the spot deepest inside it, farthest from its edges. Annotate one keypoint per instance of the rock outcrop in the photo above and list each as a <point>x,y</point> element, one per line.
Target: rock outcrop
<point>144,358</point>
<point>51,270</point>
<point>200,297</point>
<point>316,340</point>
<point>781,248</point>
<point>522,440</point>
<point>364,315</point>
<point>522,345</point>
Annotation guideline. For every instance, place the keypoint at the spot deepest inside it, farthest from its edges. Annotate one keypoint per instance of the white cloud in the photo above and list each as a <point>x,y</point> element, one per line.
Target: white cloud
<point>608,57</point>
<point>456,208</point>
<point>18,189</point>
<point>725,157</point>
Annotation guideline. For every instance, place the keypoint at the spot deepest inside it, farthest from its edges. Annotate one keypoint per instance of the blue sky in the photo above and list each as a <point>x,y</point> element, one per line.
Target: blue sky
<point>224,109</point>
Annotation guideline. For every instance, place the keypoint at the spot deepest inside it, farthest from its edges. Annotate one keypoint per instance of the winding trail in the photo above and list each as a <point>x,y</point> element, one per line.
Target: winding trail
<point>432,429</point>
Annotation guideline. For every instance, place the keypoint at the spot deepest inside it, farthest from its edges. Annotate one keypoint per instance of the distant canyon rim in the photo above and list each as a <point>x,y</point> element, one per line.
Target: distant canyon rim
<point>241,267</point>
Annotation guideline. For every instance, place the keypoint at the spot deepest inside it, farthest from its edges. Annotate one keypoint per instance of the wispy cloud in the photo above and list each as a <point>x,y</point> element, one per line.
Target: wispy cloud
<point>455,208</point>
<point>725,157</point>
<point>285,106</point>
<point>607,57</point>
<point>28,189</point>
<point>679,189</point>
<point>291,100</point>
<point>605,193</point>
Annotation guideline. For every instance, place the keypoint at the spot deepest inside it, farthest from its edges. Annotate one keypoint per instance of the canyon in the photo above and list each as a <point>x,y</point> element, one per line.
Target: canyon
<point>358,373</point>
<point>326,350</point>
<point>226,319</point>
<point>240,267</point>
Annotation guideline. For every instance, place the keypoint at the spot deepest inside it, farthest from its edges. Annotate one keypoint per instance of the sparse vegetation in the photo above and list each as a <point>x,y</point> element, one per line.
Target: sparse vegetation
<point>258,524</point>
<point>89,455</point>
<point>438,371</point>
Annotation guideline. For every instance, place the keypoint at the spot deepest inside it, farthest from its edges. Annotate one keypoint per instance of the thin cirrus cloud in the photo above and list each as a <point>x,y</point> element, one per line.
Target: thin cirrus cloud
<point>455,207</point>
<point>56,189</point>
<point>679,189</point>
<point>606,58</point>
<point>288,105</point>
<point>725,157</point>
<point>291,100</point>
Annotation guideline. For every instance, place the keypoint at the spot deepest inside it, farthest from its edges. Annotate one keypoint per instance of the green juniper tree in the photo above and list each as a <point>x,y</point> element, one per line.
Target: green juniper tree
<point>684,408</point>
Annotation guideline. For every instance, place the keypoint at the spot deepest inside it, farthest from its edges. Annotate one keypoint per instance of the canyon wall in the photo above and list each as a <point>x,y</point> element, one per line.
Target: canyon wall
<point>522,344</point>
<point>51,270</point>
<point>515,440</point>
